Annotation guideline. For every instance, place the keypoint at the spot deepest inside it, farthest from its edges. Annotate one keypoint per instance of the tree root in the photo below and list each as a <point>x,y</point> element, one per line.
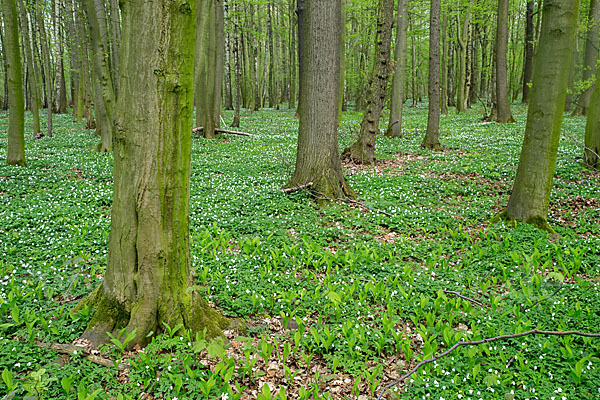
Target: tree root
<point>87,352</point>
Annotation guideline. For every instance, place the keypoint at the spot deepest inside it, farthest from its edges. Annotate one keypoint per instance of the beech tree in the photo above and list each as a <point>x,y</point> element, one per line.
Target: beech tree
<point>533,183</point>
<point>148,269</point>
<point>431,139</point>
<point>592,130</point>
<point>210,45</point>
<point>15,152</point>
<point>317,158</point>
<point>397,99</point>
<point>503,113</point>
<point>363,150</point>
<point>592,43</point>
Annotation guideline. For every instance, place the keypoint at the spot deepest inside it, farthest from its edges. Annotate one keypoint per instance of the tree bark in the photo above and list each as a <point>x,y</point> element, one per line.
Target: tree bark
<point>528,49</point>
<point>504,114</point>
<point>209,65</point>
<point>395,124</point>
<point>292,55</point>
<point>533,183</point>
<point>592,130</point>
<point>31,70</point>
<point>15,151</point>
<point>104,88</point>
<point>363,150</point>
<point>444,66</point>
<point>300,30</point>
<point>431,139</point>
<point>227,93</point>
<point>148,269</point>
<point>115,41</point>
<point>592,43</point>
<point>273,90</point>
<point>462,91</point>
<point>238,71</point>
<point>317,158</point>
<point>47,66</point>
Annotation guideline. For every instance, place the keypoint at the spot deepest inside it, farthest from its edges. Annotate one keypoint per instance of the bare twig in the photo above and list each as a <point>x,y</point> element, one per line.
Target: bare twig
<point>585,148</point>
<point>71,349</point>
<point>466,298</point>
<point>229,131</point>
<point>297,188</point>
<point>481,341</point>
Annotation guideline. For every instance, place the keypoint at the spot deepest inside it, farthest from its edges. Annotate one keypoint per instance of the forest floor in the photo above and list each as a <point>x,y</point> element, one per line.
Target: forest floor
<point>340,299</point>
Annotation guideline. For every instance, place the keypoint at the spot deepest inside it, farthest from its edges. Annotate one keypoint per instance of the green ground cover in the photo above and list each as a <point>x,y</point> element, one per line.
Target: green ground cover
<point>340,299</point>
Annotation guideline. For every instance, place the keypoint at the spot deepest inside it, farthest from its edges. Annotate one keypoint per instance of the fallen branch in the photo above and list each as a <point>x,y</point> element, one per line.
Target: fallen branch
<point>476,342</point>
<point>71,349</point>
<point>297,188</point>
<point>466,298</point>
<point>228,131</point>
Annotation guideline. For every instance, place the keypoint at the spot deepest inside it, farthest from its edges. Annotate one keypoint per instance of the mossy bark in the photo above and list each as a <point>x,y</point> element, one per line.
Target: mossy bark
<point>15,152</point>
<point>317,158</point>
<point>148,269</point>
<point>363,150</point>
<point>532,186</point>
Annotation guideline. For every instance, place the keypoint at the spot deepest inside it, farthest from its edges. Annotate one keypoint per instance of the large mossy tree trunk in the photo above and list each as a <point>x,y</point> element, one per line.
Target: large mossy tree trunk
<point>532,186</point>
<point>431,139</point>
<point>394,128</point>
<point>363,150</point>
<point>592,46</point>
<point>148,269</point>
<point>15,151</point>
<point>503,113</point>
<point>592,130</point>
<point>210,45</point>
<point>317,157</point>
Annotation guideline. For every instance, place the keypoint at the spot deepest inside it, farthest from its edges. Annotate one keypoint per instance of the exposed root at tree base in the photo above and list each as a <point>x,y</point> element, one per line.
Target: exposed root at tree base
<point>537,221</point>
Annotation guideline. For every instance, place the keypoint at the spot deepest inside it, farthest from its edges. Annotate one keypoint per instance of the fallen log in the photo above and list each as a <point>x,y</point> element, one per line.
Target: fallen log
<point>228,131</point>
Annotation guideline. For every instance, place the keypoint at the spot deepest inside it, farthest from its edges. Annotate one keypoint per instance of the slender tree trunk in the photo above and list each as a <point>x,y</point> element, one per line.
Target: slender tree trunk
<point>592,44</point>
<point>317,159</point>
<point>209,65</point>
<point>31,75</point>
<point>300,15</point>
<point>363,150</point>
<point>104,88</point>
<point>15,151</point>
<point>483,81</point>
<point>451,86</point>
<point>592,130</point>
<point>60,94</point>
<point>115,41</point>
<point>292,55</point>
<point>444,66</point>
<point>47,66</point>
<point>84,88</point>
<point>228,96</point>
<point>4,104</point>
<point>570,86</point>
<point>504,114</point>
<point>238,71</point>
<point>273,90</point>
<point>474,60</point>
<point>431,139</point>
<point>74,59</point>
<point>532,186</point>
<point>462,38</point>
<point>148,268</point>
<point>413,81</point>
<point>395,124</point>
<point>528,49</point>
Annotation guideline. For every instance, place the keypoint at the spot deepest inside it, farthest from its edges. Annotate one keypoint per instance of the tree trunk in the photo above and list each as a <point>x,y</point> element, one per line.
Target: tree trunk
<point>431,140</point>
<point>4,105</point>
<point>292,55</point>
<point>503,113</point>
<point>592,43</point>
<point>148,271</point>
<point>363,150</point>
<point>84,91</point>
<point>528,49</point>
<point>31,75</point>
<point>228,96</point>
<point>533,183</point>
<point>461,84</point>
<point>104,88</point>
<point>209,65</point>
<point>317,158</point>
<point>115,41</point>
<point>273,90</point>
<point>474,74</point>
<point>592,130</point>
<point>444,66</point>
<point>47,66</point>
<point>238,70</point>
<point>15,151</point>
<point>300,15</point>
<point>74,59</point>
<point>395,124</point>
